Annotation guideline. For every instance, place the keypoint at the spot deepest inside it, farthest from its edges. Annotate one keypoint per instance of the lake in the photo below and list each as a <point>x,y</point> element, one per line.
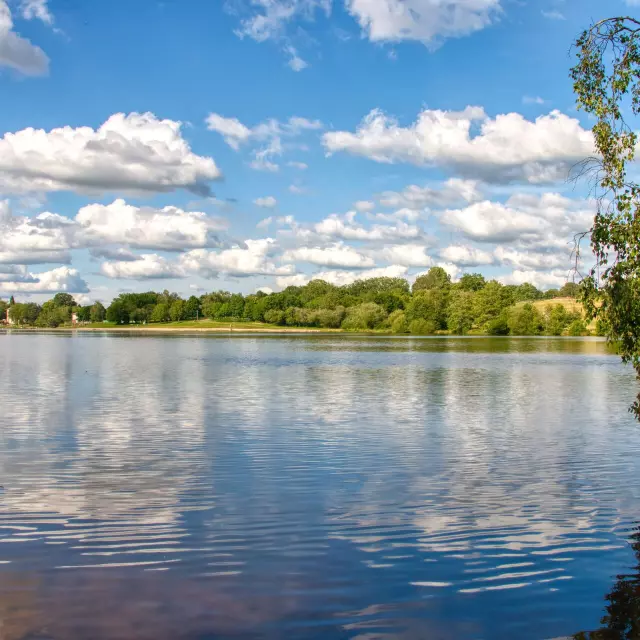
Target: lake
<point>315,487</point>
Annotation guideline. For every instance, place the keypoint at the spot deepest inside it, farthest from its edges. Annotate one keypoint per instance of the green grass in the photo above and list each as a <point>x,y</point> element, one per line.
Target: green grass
<point>198,324</point>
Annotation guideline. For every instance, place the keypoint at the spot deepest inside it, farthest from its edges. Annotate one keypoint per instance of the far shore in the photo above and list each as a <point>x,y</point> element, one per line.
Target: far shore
<point>172,329</point>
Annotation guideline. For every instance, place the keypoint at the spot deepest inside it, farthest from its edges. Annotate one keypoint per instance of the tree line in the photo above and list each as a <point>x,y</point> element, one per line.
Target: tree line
<point>433,304</point>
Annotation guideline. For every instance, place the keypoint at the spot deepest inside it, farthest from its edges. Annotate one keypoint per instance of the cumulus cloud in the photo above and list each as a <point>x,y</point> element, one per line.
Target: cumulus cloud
<point>364,206</point>
<point>540,279</point>
<point>15,273</point>
<point>533,260</point>
<point>507,148</point>
<point>345,227</point>
<point>336,255</point>
<point>254,258</point>
<point>16,51</point>
<point>119,254</point>
<point>340,278</point>
<point>453,191</point>
<point>169,229</point>
<point>149,266</point>
<point>407,255</point>
<point>36,9</point>
<point>135,153</point>
<point>268,134</point>
<point>526,218</point>
<point>466,256</point>
<point>427,21</point>
<point>54,281</point>
<point>268,202</point>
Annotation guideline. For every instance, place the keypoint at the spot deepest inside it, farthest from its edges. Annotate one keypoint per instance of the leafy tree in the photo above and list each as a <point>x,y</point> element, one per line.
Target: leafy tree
<point>429,304</point>
<point>526,292</point>
<point>491,301</point>
<point>192,308</point>
<point>274,316</point>
<point>498,326</point>
<point>569,290</point>
<point>606,80</point>
<point>367,315</point>
<point>178,311</point>
<point>161,312</point>
<point>460,314</point>
<point>525,320</point>
<point>63,300</point>
<point>557,319</point>
<point>3,310</point>
<point>53,316</point>
<point>472,282</point>
<point>117,312</point>
<point>11,301</point>
<point>398,322</point>
<point>577,328</point>
<point>421,327</point>
<point>83,313</point>
<point>435,278</point>
<point>98,312</point>
<point>549,294</point>
<point>24,313</point>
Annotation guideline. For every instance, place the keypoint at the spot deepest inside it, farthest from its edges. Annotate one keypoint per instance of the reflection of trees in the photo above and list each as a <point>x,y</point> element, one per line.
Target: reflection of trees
<point>622,620</point>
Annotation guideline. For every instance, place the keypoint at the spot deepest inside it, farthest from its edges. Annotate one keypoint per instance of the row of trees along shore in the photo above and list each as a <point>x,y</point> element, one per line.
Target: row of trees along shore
<point>433,304</point>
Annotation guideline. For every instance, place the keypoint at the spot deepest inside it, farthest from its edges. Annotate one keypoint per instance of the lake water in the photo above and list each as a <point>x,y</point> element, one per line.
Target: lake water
<point>316,487</point>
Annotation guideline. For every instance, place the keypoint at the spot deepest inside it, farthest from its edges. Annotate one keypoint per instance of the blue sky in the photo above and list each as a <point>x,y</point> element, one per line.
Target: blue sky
<point>451,125</point>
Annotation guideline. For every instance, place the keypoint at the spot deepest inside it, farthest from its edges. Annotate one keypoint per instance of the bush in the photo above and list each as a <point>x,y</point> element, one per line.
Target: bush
<point>422,327</point>
<point>398,322</point>
<point>368,315</point>
<point>578,328</point>
<point>330,318</point>
<point>274,316</point>
<point>498,326</point>
<point>525,321</point>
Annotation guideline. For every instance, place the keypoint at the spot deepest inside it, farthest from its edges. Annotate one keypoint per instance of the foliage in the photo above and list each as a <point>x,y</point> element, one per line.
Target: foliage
<point>367,315</point>
<point>525,320</point>
<point>606,80</point>
<point>577,328</point>
<point>98,313</point>
<point>472,282</point>
<point>557,319</point>
<point>397,322</point>
<point>460,311</point>
<point>24,313</point>
<point>435,278</point>
<point>421,327</point>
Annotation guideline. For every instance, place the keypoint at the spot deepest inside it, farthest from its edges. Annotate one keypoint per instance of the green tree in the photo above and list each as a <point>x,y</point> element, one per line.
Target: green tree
<point>98,312</point>
<point>435,278</point>
<point>430,305</point>
<point>460,315</point>
<point>569,290</point>
<point>398,322</point>
<point>178,311</point>
<point>3,309</point>
<point>63,300</point>
<point>557,319</point>
<point>490,302</point>
<point>577,328</point>
<point>367,315</point>
<point>161,312</point>
<point>421,327</point>
<point>606,80</point>
<point>526,292</point>
<point>472,282</point>
<point>24,313</point>
<point>525,320</point>
<point>192,308</point>
<point>83,313</point>
<point>274,316</point>
<point>117,313</point>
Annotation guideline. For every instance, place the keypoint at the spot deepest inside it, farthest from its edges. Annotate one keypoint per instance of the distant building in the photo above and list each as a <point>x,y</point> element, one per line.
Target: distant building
<point>8,319</point>
<point>74,318</point>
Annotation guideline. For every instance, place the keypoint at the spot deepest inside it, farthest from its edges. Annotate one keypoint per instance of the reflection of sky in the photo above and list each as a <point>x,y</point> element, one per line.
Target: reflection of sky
<point>383,485</point>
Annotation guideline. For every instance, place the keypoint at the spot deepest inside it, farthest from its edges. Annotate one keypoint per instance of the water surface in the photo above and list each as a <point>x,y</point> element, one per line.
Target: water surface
<point>200,487</point>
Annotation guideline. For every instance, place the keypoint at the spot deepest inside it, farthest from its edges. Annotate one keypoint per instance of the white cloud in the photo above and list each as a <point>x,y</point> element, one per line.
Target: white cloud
<point>27,256</point>
<point>169,229</point>
<point>36,9</point>
<point>150,266</point>
<point>268,202</point>
<point>252,259</point>
<point>293,188</point>
<point>17,52</point>
<point>346,228</point>
<point>336,255</point>
<point>527,218</point>
<point>302,166</point>
<point>407,255</point>
<point>426,21</point>
<point>542,280</point>
<point>507,148</point>
<point>268,133</point>
<point>60,279</point>
<point>119,254</point>
<point>271,17</point>
<point>296,63</point>
<point>533,100</point>
<point>453,191</point>
<point>364,206</point>
<point>340,278</point>
<point>557,15</point>
<point>135,153</point>
<point>15,273</point>
<point>466,256</point>
<point>533,260</point>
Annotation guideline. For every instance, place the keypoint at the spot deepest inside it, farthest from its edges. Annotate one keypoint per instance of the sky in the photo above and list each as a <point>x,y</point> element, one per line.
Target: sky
<point>255,144</point>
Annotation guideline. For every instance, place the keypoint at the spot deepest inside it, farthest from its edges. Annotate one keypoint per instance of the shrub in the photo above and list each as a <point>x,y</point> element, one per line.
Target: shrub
<point>274,316</point>
<point>368,315</point>
<point>398,322</point>
<point>578,328</point>
<point>422,327</point>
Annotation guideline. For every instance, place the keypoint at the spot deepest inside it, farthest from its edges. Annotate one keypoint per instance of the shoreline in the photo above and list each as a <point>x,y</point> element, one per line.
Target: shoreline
<point>171,329</point>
